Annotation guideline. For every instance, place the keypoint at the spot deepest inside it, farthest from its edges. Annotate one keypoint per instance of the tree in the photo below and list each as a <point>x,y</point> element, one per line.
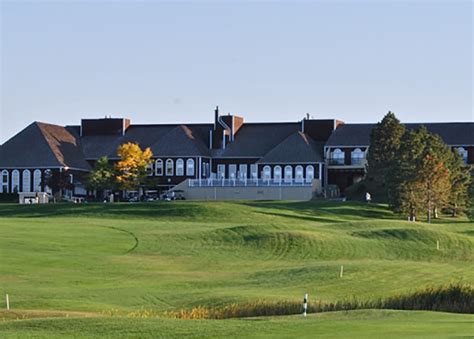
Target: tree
<point>421,178</point>
<point>102,176</point>
<point>404,188</point>
<point>132,167</point>
<point>384,144</point>
<point>460,183</point>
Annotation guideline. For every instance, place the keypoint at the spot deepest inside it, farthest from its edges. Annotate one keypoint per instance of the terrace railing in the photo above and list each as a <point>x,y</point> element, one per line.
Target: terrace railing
<point>247,182</point>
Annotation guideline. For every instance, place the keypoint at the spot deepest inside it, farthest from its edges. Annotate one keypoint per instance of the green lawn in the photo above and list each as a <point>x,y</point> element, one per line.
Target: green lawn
<point>167,256</point>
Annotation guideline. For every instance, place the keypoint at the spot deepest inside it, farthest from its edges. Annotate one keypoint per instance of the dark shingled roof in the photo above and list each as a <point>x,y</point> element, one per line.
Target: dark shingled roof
<point>254,140</point>
<point>180,141</point>
<point>297,148</point>
<point>43,145</point>
<point>453,133</point>
<point>148,136</point>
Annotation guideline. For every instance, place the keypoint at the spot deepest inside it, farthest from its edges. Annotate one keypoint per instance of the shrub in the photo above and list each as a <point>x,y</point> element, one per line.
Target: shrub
<point>457,298</point>
<point>8,197</point>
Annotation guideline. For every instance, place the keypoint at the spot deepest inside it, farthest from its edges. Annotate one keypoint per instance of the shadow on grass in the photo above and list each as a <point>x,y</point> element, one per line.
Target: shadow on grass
<point>323,210</point>
<point>117,210</point>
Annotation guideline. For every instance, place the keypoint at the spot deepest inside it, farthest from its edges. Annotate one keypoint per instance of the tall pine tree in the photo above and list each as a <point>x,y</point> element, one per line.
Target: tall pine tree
<point>384,143</point>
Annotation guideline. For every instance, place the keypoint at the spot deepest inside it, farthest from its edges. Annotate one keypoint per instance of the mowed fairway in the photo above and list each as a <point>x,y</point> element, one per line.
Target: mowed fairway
<point>115,259</point>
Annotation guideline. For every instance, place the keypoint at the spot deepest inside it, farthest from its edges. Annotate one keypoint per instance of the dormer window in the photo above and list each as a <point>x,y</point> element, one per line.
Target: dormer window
<point>337,157</point>
<point>463,153</point>
<point>357,157</point>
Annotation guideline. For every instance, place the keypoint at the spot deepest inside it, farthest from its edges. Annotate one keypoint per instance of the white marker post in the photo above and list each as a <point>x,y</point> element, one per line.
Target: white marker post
<point>342,271</point>
<point>437,245</point>
<point>7,301</point>
<point>305,304</point>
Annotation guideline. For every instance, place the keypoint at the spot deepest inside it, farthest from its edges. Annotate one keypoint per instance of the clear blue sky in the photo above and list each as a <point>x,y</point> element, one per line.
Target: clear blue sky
<point>173,62</point>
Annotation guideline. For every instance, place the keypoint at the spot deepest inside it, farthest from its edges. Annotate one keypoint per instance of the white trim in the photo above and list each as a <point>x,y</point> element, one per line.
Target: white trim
<point>290,163</point>
<point>210,139</point>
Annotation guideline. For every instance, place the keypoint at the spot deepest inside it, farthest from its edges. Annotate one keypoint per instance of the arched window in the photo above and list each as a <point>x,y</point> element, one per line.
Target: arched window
<point>357,157</point>
<point>26,181</point>
<point>37,180</point>
<point>277,174</point>
<point>267,173</point>
<point>299,173</point>
<point>169,167</point>
<point>463,153</point>
<point>309,173</point>
<point>15,181</point>
<point>288,173</point>
<point>159,167</point>
<point>179,167</point>
<point>149,169</point>
<point>337,157</point>
<point>190,167</point>
<point>4,182</point>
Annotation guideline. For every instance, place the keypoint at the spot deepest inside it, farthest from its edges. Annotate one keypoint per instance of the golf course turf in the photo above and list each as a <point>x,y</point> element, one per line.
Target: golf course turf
<point>101,269</point>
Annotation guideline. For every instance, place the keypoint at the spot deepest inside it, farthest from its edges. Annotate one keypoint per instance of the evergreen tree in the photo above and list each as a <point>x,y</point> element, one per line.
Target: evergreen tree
<point>405,190</point>
<point>384,144</point>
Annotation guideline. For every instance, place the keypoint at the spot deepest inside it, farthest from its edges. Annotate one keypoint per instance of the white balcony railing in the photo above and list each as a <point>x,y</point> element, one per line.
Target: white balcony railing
<point>248,182</point>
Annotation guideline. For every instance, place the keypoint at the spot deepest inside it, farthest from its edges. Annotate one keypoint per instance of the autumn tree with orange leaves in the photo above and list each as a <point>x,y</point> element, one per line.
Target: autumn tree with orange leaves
<point>132,167</point>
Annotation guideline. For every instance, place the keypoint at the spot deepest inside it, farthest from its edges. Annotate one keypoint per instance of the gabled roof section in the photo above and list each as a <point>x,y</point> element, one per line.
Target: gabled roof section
<point>180,141</point>
<point>254,140</point>
<point>43,145</point>
<point>453,133</point>
<point>297,148</point>
<point>96,146</point>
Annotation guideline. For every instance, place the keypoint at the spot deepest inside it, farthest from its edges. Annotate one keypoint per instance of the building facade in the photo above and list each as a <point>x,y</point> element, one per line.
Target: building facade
<point>55,159</point>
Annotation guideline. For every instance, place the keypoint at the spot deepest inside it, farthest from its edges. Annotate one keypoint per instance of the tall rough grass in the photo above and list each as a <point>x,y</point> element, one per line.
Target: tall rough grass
<point>457,298</point>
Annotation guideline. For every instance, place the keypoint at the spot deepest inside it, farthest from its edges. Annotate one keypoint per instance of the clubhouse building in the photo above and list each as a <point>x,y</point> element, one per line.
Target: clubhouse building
<point>225,159</point>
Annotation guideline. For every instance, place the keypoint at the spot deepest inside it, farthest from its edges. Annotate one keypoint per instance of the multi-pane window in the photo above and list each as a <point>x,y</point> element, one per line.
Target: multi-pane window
<point>337,157</point>
<point>288,173</point>
<point>4,182</point>
<point>26,181</point>
<point>169,167</point>
<point>37,180</point>
<point>221,171</point>
<point>243,171</point>
<point>159,167</point>
<point>254,171</point>
<point>232,171</point>
<point>309,173</point>
<point>267,173</point>
<point>299,173</point>
<point>180,167</point>
<point>16,181</point>
<point>190,167</point>
<point>149,169</point>
<point>277,173</point>
<point>463,153</point>
<point>357,157</point>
